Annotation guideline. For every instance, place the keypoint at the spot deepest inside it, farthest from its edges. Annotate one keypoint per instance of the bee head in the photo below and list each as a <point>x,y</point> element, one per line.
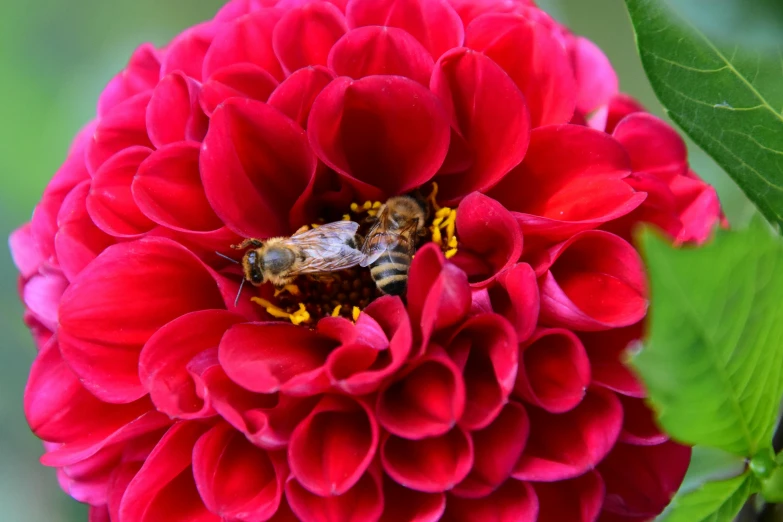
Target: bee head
<point>253,267</point>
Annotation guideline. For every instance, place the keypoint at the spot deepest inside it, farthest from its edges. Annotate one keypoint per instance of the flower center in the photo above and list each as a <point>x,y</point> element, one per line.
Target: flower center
<point>346,292</point>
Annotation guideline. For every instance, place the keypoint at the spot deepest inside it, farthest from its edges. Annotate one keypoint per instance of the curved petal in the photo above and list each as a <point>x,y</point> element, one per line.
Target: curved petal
<point>426,400</point>
<point>534,58</point>
<point>607,352</point>
<point>430,465</point>
<point>333,447</point>
<point>516,298</point>
<point>489,112</point>
<point>596,80</point>
<point>362,503</point>
<point>570,180</point>
<point>385,134</point>
<point>78,241</point>
<point>497,448</point>
<point>595,281</point>
<point>401,504</point>
<point>380,50</point>
<point>639,426</point>
<point>164,360</point>
<point>654,147</point>
<point>255,162</point>
<point>295,95</point>
<point>305,35</point>
<point>567,445</point>
<point>585,496</point>
<point>42,294</point>
<point>164,488</point>
<point>268,357</point>
<point>25,252</point>
<point>123,127</point>
<point>186,51</point>
<point>174,113</point>
<point>489,239</point>
<point>641,480</point>
<point>514,501</point>
<point>621,106</point>
<point>110,203</point>
<point>554,371</point>
<point>140,75</point>
<point>237,480</point>
<point>167,189</point>
<point>124,296</point>
<point>433,23</point>
<point>247,39</point>
<point>244,80</point>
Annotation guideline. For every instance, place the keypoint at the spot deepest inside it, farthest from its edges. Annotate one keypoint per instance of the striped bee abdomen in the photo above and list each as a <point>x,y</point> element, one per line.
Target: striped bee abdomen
<point>390,271</point>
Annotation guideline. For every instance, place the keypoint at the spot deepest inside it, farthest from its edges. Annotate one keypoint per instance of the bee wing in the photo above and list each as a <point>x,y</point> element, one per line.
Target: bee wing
<point>327,248</point>
<point>377,241</point>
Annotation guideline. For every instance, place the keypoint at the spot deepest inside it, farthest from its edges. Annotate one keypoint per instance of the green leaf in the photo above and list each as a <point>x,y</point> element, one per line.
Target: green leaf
<point>726,95</point>
<point>710,464</point>
<point>712,360</point>
<point>714,502</point>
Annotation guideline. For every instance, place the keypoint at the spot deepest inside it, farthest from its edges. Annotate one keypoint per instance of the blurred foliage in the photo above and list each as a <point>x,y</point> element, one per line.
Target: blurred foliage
<point>55,57</point>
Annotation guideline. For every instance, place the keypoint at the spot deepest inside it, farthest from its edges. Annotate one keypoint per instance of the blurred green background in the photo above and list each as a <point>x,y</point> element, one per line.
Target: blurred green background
<point>55,57</point>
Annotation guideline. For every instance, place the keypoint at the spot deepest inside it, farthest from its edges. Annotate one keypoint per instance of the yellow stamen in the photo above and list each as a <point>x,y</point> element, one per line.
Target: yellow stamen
<point>450,253</point>
<point>346,217</point>
<point>301,315</point>
<point>336,310</point>
<point>355,313</point>
<point>315,225</point>
<point>432,196</point>
<point>291,289</point>
<point>355,208</point>
<point>367,205</point>
<point>301,229</point>
<point>436,236</point>
<point>376,205</point>
<point>453,242</point>
<point>371,207</point>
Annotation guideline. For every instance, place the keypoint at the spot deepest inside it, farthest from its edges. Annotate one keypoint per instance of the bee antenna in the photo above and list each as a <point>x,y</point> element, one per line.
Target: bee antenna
<point>224,256</point>
<point>241,285</point>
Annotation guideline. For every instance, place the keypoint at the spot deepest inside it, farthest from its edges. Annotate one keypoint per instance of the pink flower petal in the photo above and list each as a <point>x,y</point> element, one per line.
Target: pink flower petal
<point>115,305</point>
<point>42,295</point>
<point>304,35</point>
<point>254,164</point>
<point>430,465</point>
<point>596,80</point>
<point>489,111</point>
<point>401,504</point>
<point>554,371</point>
<point>433,23</point>
<point>186,51</point>
<point>516,298</point>
<point>362,503</point>
<point>140,75</point>
<point>577,500</point>
<point>380,132</point>
<point>607,353</point>
<point>332,448</point>
<point>639,426</point>
<point>380,50</point>
<point>653,146</point>
<point>514,501</point>
<point>174,113</point>
<point>244,80</point>
<point>237,480</point>
<point>295,95</point>
<point>566,445</point>
<point>25,252</point>
<point>123,127</point>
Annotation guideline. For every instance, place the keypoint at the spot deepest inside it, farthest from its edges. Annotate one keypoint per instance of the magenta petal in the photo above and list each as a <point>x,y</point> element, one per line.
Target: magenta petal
<point>486,350</point>
<point>140,75</point>
<point>295,95</point>
<point>497,448</point>
<point>585,496</point>
<point>429,465</point>
<point>332,448</point>
<point>244,80</point>
<point>639,426</point>
<point>123,127</point>
<point>110,202</point>
<point>246,39</point>
<point>489,112</point>
<point>362,503</point>
<point>187,50</point>
<point>380,50</point>
<point>433,23</point>
<point>641,480</point>
<point>119,300</point>
<point>516,298</point>
<point>304,35</point>
<point>24,250</point>
<point>387,132</point>
<point>488,232</point>
<point>164,359</point>
<point>42,295</point>
<point>167,189</point>
<point>595,281</point>
<point>554,371</point>
<point>401,504</point>
<point>654,147</point>
<point>607,352</point>
<point>255,162</point>
<point>265,357</point>
<point>566,445</point>
<point>514,501</point>
<point>174,113</point>
<point>426,400</point>
<point>235,479</point>
<point>595,76</point>
<point>164,488</point>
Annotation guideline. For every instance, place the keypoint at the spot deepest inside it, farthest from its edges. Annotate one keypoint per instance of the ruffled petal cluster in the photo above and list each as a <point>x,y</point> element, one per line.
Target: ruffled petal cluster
<point>495,389</point>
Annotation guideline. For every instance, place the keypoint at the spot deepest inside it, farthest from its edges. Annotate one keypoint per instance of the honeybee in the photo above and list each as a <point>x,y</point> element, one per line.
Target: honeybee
<point>315,252</point>
<point>391,242</point>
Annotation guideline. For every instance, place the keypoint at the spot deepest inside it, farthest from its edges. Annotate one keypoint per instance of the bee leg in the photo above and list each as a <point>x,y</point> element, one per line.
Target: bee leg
<point>303,228</point>
<point>255,243</point>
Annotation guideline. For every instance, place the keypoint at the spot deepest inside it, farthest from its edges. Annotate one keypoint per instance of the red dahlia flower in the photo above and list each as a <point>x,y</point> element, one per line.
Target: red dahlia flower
<point>493,390</point>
